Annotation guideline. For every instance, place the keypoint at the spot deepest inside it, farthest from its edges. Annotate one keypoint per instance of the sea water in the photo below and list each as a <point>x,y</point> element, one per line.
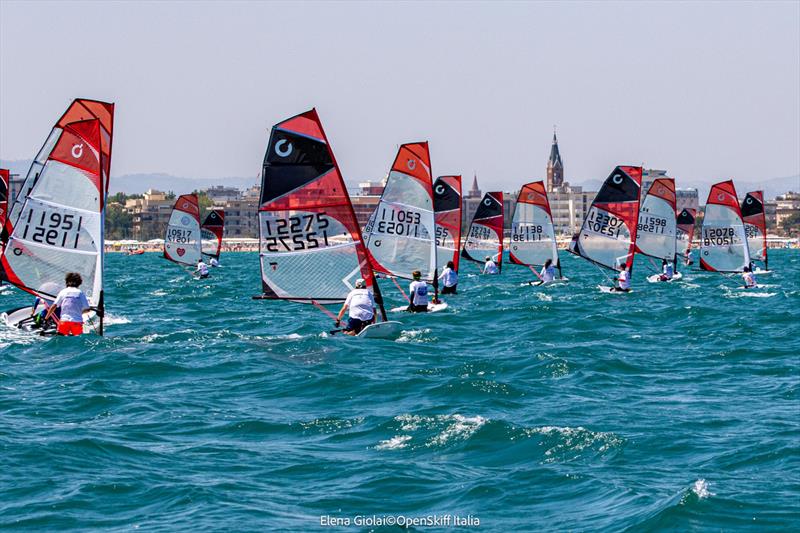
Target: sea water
<point>674,407</point>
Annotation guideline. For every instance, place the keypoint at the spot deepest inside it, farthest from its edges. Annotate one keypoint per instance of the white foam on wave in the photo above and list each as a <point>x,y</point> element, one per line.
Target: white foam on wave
<point>700,488</point>
<point>575,439</point>
<point>415,335</point>
<point>110,320</point>
<point>459,428</point>
<point>159,292</point>
<point>544,297</point>
<point>395,443</point>
<point>447,428</point>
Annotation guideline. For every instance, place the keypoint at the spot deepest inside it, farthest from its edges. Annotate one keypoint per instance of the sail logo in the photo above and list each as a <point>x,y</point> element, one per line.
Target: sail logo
<point>721,196</point>
<point>77,150</point>
<point>749,201</point>
<point>377,242</point>
<point>412,164</point>
<point>487,202</point>
<point>185,221</point>
<point>181,251</point>
<point>617,179</point>
<point>281,151</point>
<point>440,189</point>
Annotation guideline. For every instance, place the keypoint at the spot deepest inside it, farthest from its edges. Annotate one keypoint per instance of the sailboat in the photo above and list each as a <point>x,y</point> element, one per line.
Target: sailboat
<point>533,239</point>
<point>656,231</point>
<point>5,180</point>
<point>755,227</point>
<point>310,246</point>
<point>485,235</point>
<point>685,222</point>
<point>608,235</point>
<point>447,208</point>
<point>182,240</point>
<point>55,225</point>
<point>211,232</point>
<point>401,232</point>
<point>723,242</point>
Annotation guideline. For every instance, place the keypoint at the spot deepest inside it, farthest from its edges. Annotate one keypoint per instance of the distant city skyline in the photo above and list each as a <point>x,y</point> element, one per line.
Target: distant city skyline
<point>704,90</point>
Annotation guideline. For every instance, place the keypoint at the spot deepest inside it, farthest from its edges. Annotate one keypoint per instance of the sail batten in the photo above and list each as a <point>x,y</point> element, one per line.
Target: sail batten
<point>533,239</point>
<point>608,233</point>
<point>723,242</point>
<point>485,235</point>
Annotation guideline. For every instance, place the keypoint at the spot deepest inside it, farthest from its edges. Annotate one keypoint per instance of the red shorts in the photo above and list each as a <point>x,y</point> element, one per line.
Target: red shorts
<point>70,328</point>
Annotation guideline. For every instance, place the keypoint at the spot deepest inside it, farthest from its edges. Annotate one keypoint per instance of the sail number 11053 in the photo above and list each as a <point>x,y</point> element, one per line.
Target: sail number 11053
<point>53,228</point>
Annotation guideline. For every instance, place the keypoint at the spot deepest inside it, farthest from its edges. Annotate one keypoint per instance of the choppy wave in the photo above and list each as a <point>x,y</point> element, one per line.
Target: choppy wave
<point>672,408</point>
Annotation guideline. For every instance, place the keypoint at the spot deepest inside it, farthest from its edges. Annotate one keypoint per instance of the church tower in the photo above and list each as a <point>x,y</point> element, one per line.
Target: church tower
<point>555,167</point>
<point>474,192</point>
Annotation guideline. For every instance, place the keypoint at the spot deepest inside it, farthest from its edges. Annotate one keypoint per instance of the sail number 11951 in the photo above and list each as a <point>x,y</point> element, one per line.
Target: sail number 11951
<point>52,228</point>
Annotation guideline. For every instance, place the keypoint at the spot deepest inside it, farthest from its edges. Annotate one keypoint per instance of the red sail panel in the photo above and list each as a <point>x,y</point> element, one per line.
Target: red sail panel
<point>60,228</point>
<point>533,239</point>
<point>447,208</point>
<point>755,224</point>
<point>723,243</point>
<point>664,188</point>
<point>414,159</point>
<point>401,232</point>
<point>212,229</point>
<point>80,110</point>
<point>5,180</point>
<point>608,234</point>
<point>311,247</point>
<point>85,109</point>
<point>183,240</point>
<point>485,236</point>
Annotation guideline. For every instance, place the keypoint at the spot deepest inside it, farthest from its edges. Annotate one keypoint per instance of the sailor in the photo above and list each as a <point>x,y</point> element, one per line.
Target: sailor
<point>548,272</point>
<point>749,278</point>
<point>72,303</point>
<point>213,262</point>
<point>667,270</point>
<point>490,267</point>
<point>418,294</point>
<point>449,279</point>
<point>689,260</point>
<point>201,270</point>
<point>362,309</point>
<point>624,280</point>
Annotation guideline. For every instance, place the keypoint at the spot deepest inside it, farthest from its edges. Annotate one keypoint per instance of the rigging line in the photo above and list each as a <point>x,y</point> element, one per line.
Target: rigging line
<point>394,280</point>
<point>613,283</point>
<point>324,309</point>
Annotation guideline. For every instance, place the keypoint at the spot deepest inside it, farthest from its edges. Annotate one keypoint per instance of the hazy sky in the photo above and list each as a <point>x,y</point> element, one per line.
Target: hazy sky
<point>705,90</point>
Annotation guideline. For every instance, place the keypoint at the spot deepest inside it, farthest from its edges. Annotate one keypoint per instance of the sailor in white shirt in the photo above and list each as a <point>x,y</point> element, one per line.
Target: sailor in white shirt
<point>361,304</point>
<point>449,279</point>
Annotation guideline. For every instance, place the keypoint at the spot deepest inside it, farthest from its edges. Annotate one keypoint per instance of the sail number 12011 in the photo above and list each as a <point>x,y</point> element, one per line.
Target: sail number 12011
<point>53,228</point>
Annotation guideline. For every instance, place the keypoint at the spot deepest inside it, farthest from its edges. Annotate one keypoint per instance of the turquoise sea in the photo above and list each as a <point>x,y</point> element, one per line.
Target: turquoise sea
<point>673,408</point>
